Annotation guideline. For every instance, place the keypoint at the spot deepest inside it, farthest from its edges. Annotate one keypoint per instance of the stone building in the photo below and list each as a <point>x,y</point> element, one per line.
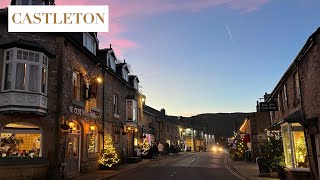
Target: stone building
<point>166,127</point>
<point>123,104</point>
<point>253,128</point>
<point>297,94</point>
<point>58,99</point>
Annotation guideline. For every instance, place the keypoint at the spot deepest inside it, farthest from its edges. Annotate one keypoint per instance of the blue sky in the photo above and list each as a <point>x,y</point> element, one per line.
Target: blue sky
<point>185,58</point>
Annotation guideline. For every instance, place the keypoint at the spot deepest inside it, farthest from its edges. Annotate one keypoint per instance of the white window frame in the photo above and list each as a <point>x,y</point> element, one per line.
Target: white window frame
<point>125,74</point>
<point>18,2</point>
<point>77,88</point>
<point>292,148</point>
<point>116,104</point>
<point>111,62</point>
<point>87,36</point>
<point>43,63</point>
<point>134,110</point>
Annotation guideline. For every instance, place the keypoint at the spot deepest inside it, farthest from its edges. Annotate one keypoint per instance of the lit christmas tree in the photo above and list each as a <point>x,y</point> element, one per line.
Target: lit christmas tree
<point>145,148</point>
<point>109,156</point>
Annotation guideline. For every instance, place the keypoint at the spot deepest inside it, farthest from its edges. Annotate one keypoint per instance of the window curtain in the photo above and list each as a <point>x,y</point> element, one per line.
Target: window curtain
<point>34,78</point>
<point>20,76</point>
<point>8,76</point>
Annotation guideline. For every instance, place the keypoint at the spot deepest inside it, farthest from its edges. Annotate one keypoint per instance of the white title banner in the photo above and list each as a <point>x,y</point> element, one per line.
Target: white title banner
<point>58,18</point>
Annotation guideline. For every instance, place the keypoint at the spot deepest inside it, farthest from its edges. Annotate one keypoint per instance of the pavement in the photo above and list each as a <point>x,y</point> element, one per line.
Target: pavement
<point>106,174</point>
<point>246,170</point>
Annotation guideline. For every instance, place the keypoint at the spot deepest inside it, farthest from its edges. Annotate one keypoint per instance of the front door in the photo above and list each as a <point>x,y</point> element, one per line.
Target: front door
<point>130,144</point>
<point>72,154</point>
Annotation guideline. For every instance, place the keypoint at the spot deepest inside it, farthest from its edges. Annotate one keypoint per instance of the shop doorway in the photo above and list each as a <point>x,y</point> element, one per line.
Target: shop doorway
<point>73,150</point>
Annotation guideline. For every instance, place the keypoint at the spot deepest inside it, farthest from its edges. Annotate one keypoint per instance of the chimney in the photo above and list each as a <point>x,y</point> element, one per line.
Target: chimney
<point>265,97</point>
<point>163,111</point>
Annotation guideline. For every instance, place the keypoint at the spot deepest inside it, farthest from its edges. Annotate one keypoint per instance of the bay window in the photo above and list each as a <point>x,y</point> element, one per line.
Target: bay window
<point>25,71</point>
<point>131,110</point>
<point>294,145</point>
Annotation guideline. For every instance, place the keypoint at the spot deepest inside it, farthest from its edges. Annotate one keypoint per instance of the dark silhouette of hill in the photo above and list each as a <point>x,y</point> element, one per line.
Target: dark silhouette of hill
<point>219,124</point>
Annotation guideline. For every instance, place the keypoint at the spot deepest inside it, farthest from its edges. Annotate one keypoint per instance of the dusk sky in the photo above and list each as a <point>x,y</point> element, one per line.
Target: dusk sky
<point>206,56</point>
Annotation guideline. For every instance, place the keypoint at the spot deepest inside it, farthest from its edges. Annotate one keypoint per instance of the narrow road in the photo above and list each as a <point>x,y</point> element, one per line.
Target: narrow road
<point>197,166</point>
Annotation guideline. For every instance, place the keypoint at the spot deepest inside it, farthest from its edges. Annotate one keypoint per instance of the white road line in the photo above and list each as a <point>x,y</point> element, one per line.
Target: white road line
<point>193,160</point>
<point>231,171</point>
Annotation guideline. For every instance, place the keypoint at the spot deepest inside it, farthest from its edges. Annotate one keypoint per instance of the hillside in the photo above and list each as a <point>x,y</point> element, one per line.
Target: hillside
<point>220,124</point>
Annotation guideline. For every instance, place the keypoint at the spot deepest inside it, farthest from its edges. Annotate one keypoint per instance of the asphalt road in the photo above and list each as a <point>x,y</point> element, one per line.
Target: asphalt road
<point>197,166</point>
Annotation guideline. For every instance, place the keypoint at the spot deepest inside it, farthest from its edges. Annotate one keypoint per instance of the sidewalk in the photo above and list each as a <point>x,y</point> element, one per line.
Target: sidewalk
<point>248,170</point>
<point>103,174</point>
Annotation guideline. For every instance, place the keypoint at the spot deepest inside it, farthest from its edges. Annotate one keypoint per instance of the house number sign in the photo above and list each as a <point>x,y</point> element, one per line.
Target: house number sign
<point>82,112</point>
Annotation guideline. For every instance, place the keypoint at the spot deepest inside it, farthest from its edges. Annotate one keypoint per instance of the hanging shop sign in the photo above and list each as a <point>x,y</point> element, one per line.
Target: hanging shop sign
<point>268,106</point>
<point>82,112</point>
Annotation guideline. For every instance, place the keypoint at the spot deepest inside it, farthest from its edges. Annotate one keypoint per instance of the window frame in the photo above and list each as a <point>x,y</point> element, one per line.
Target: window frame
<point>87,36</point>
<point>26,131</point>
<point>73,86</point>
<point>43,63</point>
<point>115,104</point>
<point>134,107</point>
<point>292,142</point>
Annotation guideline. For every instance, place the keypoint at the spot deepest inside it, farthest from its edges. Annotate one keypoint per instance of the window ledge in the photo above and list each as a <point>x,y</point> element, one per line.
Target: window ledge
<point>298,169</point>
<point>116,116</point>
<point>92,155</point>
<point>23,160</point>
<point>78,103</point>
<point>96,109</point>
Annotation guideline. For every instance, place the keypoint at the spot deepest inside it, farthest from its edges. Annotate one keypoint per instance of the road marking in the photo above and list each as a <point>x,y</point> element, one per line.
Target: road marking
<point>230,170</point>
<point>193,160</point>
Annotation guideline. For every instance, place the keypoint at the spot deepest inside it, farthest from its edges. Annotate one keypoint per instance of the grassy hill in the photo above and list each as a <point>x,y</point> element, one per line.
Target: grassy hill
<point>219,124</point>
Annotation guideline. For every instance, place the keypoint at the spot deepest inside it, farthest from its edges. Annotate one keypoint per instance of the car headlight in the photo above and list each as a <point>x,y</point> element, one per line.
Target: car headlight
<point>220,149</point>
<point>214,149</point>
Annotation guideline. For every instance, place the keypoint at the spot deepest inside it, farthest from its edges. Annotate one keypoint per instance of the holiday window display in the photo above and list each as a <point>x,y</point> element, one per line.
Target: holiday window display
<point>20,145</point>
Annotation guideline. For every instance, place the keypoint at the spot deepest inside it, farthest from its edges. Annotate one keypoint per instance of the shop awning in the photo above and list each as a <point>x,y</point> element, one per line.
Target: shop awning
<point>295,117</point>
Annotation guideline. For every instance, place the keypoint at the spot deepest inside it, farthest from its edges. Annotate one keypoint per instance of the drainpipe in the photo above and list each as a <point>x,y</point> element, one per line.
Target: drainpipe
<point>103,121</point>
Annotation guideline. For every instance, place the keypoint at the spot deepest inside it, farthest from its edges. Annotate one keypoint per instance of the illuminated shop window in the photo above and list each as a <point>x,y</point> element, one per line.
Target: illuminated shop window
<point>294,145</point>
<point>21,140</point>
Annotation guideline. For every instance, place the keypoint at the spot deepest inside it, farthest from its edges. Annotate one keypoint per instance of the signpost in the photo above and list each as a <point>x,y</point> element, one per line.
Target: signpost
<point>268,106</point>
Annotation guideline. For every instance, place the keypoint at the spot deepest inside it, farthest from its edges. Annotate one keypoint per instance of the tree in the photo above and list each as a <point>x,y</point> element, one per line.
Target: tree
<point>272,151</point>
<point>109,156</point>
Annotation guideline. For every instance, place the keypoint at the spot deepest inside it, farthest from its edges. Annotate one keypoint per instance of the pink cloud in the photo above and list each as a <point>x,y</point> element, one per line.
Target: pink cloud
<point>4,3</point>
<point>120,10</point>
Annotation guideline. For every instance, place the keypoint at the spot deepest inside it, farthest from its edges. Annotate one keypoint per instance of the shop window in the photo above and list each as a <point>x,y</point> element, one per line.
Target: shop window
<point>25,71</point>
<point>21,140</point>
<point>294,145</point>
<point>93,143</point>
